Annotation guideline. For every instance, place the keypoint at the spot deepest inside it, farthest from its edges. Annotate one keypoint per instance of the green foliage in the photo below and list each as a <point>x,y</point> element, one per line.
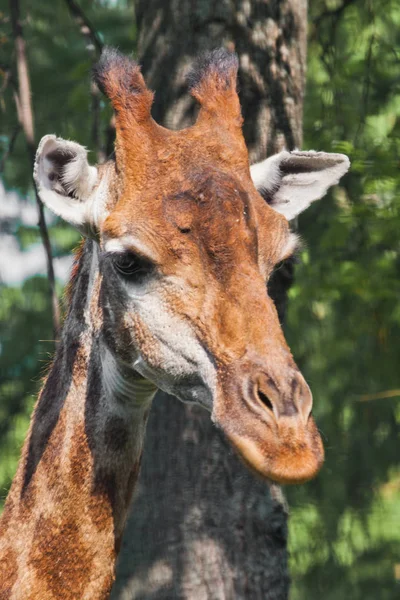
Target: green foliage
<point>60,71</point>
<point>344,310</point>
<point>344,315</point>
<point>26,347</point>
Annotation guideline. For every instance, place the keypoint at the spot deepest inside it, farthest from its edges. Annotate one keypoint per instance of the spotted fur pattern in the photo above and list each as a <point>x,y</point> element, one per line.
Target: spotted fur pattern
<point>80,462</point>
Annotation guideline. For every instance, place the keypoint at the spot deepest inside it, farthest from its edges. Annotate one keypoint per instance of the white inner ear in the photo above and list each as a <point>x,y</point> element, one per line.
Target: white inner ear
<point>266,175</point>
<point>64,178</point>
<point>291,181</point>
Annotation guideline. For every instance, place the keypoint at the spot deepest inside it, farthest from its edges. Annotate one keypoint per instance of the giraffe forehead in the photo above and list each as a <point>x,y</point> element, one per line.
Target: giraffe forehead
<point>179,199</point>
<point>209,210</point>
<point>217,198</point>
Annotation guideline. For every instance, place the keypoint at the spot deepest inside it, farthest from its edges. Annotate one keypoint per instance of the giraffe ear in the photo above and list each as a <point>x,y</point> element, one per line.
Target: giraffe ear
<point>65,181</point>
<point>291,181</point>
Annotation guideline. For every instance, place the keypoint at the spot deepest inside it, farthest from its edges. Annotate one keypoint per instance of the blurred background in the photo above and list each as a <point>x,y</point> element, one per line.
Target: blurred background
<point>343,308</point>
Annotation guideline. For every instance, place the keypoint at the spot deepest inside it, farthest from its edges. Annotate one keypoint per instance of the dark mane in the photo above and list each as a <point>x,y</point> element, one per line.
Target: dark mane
<point>219,62</point>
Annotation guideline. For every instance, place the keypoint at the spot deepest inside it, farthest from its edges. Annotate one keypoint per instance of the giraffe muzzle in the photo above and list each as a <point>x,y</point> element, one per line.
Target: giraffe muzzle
<point>295,400</point>
<point>269,423</point>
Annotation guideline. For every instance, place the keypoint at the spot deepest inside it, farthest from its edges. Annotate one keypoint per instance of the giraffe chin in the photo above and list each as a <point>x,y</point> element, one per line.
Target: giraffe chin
<point>290,453</point>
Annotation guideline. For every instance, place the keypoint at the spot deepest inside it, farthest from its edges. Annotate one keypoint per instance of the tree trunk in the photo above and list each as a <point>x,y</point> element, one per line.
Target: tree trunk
<point>202,527</point>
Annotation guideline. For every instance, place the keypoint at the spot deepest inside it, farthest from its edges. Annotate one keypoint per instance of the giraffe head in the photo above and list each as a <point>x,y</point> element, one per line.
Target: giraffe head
<point>188,235</point>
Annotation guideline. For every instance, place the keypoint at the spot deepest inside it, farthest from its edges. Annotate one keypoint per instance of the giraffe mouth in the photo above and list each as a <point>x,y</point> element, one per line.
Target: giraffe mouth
<point>285,448</point>
<point>291,457</point>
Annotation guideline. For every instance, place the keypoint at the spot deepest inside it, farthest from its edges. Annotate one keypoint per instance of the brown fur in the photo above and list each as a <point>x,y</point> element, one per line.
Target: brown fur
<point>58,557</point>
<point>189,198</point>
<point>9,573</point>
<point>206,224</point>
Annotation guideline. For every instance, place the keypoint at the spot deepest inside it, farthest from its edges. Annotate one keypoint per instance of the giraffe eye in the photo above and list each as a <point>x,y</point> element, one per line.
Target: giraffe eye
<point>132,266</point>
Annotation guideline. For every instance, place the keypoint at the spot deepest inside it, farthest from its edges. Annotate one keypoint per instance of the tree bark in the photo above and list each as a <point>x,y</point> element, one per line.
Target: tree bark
<point>202,527</point>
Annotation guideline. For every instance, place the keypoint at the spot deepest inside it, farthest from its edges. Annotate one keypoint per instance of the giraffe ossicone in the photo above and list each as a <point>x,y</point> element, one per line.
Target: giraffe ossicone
<point>168,292</point>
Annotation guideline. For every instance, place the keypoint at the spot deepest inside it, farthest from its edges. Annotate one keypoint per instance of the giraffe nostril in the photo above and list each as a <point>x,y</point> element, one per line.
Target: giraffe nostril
<point>265,400</point>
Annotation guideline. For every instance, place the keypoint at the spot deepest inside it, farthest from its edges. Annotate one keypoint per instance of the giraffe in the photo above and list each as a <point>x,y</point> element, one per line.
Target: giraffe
<point>168,291</point>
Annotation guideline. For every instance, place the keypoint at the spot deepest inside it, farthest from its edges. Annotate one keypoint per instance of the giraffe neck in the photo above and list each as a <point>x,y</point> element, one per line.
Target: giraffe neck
<point>64,517</point>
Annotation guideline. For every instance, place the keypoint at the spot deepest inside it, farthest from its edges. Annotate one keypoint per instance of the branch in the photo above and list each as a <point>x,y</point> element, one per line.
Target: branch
<point>379,395</point>
<point>317,33</point>
<point>86,27</point>
<point>8,79</point>
<point>365,90</point>
<point>24,93</point>
<point>93,44</point>
<point>25,115</point>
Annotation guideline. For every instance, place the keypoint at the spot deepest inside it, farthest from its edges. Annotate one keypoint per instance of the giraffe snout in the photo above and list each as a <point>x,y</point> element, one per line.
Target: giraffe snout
<point>291,399</point>
<point>266,415</point>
